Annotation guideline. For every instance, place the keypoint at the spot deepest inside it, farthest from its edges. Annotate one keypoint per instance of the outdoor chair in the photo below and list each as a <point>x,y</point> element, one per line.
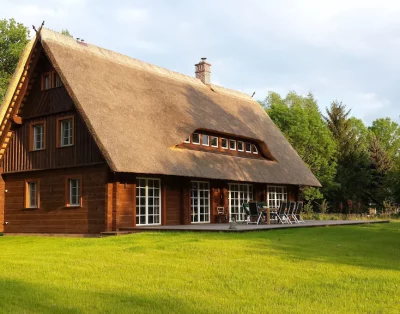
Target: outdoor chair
<point>246,211</point>
<point>297,215</point>
<point>254,214</point>
<point>282,213</point>
<point>221,214</point>
<point>291,212</point>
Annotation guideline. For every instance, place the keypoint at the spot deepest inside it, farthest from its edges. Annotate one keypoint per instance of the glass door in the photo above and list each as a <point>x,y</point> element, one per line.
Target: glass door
<point>200,202</point>
<point>239,194</point>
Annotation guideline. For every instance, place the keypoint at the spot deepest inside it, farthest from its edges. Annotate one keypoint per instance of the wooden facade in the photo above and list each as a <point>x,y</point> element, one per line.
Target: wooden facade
<point>108,200</point>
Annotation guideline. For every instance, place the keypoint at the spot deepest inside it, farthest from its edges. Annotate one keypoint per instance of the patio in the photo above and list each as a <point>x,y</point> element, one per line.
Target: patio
<point>243,227</point>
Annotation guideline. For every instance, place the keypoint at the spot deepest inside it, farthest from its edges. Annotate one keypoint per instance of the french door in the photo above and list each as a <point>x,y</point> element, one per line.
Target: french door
<point>148,201</point>
<point>200,202</point>
<point>276,195</point>
<point>239,194</point>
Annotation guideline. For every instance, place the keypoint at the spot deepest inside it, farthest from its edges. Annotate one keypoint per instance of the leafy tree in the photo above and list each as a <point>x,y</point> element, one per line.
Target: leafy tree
<point>388,133</point>
<point>66,32</point>
<point>13,38</point>
<point>301,122</point>
<point>353,172</point>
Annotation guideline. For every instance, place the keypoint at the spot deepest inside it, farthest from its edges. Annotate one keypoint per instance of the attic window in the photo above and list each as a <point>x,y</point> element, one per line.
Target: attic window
<point>224,143</point>
<point>214,141</point>
<point>187,140</point>
<point>248,148</point>
<point>46,81</point>
<point>205,140</point>
<point>196,138</point>
<point>240,146</point>
<point>255,150</point>
<point>232,144</point>
<point>57,80</point>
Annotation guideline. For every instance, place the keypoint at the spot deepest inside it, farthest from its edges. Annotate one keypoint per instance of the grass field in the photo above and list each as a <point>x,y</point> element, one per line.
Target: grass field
<point>352,269</point>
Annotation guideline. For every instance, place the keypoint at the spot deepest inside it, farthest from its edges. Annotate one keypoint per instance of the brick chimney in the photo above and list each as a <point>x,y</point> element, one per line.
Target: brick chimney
<point>203,71</point>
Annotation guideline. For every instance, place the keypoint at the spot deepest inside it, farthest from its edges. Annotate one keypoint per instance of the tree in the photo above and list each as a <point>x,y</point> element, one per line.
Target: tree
<point>388,133</point>
<point>353,175</point>
<point>13,38</point>
<point>301,122</point>
<point>66,33</point>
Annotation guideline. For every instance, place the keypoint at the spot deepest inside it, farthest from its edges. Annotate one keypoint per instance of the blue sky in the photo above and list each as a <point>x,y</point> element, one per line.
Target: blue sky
<point>337,49</point>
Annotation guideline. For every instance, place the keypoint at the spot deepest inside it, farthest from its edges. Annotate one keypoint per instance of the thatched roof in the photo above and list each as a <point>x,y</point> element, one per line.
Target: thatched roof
<point>138,112</point>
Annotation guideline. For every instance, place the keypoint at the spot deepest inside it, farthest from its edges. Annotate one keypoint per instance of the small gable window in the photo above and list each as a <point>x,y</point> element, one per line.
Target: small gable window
<point>46,81</point>
<point>240,146</point>
<point>214,141</point>
<point>255,150</point>
<point>37,136</point>
<point>57,80</point>
<point>205,140</point>
<point>196,138</point>
<point>224,143</point>
<point>232,144</point>
<point>65,131</point>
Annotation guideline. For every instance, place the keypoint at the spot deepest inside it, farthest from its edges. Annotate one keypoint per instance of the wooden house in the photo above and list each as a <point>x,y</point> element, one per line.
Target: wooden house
<point>93,141</point>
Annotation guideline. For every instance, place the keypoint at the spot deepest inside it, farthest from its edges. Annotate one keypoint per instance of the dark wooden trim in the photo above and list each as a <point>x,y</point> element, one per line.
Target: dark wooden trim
<point>58,130</point>
<point>67,191</point>
<point>56,168</point>
<point>134,202</point>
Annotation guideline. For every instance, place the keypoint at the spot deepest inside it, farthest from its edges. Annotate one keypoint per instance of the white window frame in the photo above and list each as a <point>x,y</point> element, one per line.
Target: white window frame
<point>193,142</point>
<point>214,137</point>
<point>272,195</point>
<point>192,205</point>
<point>241,188</point>
<point>232,141</point>
<point>146,205</point>
<point>78,186</point>
<point>38,145</point>
<point>202,140</point>
<point>248,150</point>
<point>255,151</point>
<point>240,150</point>
<point>70,134</point>
<point>187,140</point>
<point>222,143</point>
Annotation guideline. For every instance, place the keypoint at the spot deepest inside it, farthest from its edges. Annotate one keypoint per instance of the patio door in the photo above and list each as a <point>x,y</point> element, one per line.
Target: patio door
<point>239,194</point>
<point>276,195</point>
<point>200,202</point>
<point>148,201</point>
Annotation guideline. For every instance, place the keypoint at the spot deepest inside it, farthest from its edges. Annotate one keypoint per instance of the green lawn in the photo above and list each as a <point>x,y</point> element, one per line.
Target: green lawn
<point>353,269</point>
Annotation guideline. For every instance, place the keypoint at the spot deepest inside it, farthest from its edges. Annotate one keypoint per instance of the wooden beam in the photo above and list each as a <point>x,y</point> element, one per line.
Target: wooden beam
<point>17,119</point>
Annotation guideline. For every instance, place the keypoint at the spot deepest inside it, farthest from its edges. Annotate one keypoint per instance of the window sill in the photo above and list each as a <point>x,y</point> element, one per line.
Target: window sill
<point>64,146</point>
<point>72,206</point>
<point>30,208</point>
<point>37,150</point>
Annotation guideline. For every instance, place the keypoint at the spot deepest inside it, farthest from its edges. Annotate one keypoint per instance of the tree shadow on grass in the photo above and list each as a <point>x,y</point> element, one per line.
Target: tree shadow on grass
<point>21,297</point>
<point>369,246</point>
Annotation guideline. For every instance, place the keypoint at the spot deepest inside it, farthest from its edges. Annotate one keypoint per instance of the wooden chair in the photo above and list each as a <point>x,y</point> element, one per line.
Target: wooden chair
<point>221,215</point>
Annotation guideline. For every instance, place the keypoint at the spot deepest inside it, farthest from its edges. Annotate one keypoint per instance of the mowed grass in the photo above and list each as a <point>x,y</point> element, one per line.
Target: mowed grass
<point>350,269</point>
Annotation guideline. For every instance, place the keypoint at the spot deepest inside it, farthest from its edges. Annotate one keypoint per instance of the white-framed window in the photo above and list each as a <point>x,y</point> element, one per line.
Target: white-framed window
<point>66,132</point>
<point>38,136</point>
<point>148,201</point>
<point>255,150</point>
<point>232,144</point>
<point>187,140</point>
<point>239,194</point>
<point>74,192</point>
<point>200,202</point>
<point>32,194</point>
<point>46,81</point>
<point>214,141</point>
<point>224,143</point>
<point>240,146</point>
<point>196,138</point>
<point>205,140</point>
<point>248,148</point>
<point>276,195</point>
